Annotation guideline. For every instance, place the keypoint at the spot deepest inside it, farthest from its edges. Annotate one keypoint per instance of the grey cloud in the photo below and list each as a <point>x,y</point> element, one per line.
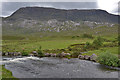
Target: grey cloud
<point>9,7</point>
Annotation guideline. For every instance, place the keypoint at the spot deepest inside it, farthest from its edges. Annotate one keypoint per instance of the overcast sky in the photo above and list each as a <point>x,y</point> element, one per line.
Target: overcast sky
<point>109,5</point>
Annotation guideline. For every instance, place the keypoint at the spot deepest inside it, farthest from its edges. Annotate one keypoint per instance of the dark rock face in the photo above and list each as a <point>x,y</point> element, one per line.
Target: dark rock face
<point>41,13</point>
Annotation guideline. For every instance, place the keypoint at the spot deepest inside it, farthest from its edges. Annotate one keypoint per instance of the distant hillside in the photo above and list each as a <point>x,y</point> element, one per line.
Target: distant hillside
<point>44,14</point>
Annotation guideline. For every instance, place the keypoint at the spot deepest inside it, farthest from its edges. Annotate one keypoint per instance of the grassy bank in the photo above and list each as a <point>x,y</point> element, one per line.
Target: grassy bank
<point>6,74</point>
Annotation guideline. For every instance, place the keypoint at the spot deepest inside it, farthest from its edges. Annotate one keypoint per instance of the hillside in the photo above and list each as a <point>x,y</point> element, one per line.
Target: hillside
<point>36,20</point>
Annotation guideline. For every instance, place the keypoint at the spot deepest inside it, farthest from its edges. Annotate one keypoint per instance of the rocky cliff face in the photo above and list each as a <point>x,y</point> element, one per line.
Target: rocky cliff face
<point>43,14</point>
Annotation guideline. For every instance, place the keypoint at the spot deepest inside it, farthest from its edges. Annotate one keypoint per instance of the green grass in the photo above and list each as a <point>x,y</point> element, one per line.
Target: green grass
<point>113,50</point>
<point>15,40</point>
<point>6,73</point>
<point>46,43</point>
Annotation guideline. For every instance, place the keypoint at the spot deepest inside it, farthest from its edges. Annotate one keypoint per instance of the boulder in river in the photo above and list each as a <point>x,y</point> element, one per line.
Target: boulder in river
<point>81,57</point>
<point>86,57</point>
<point>47,54</point>
<point>6,54</point>
<point>53,55</point>
<point>19,53</point>
<point>35,53</point>
<point>14,53</point>
<point>7,59</point>
<point>10,54</point>
<point>30,55</point>
<point>67,54</point>
<point>93,57</point>
<point>62,54</point>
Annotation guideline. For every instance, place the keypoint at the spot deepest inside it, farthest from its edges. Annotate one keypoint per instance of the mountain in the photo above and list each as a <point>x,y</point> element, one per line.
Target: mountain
<point>39,20</point>
<point>44,14</point>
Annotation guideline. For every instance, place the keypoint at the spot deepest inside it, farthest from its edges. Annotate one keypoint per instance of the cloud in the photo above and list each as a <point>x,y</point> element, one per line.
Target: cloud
<point>9,7</point>
<point>48,0</point>
<point>116,9</point>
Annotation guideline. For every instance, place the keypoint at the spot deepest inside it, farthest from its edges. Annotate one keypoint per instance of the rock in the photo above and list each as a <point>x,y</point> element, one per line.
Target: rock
<point>30,55</point>
<point>10,54</point>
<point>86,57</point>
<point>50,54</point>
<point>53,55</point>
<point>19,56</point>
<point>81,57</point>
<point>67,54</point>
<point>35,53</point>
<point>93,57</point>
<point>6,54</point>
<point>47,55</point>
<point>6,59</point>
<point>61,54</point>
<point>19,53</point>
<point>14,53</point>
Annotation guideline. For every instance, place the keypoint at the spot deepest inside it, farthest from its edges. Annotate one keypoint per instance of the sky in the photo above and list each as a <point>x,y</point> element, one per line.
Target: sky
<point>10,6</point>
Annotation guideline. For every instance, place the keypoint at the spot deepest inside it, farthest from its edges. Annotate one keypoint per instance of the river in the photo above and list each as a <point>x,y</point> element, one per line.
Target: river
<point>34,67</point>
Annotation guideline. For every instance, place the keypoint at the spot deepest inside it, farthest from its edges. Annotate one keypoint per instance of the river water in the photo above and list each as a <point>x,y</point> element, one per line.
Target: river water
<point>33,67</point>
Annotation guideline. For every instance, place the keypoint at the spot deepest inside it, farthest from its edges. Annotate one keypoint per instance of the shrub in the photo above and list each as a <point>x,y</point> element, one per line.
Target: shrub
<point>24,53</point>
<point>118,39</point>
<point>88,36</point>
<point>75,54</point>
<point>69,48</point>
<point>40,53</point>
<point>87,45</point>
<point>97,42</point>
<point>108,59</point>
<point>119,63</point>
